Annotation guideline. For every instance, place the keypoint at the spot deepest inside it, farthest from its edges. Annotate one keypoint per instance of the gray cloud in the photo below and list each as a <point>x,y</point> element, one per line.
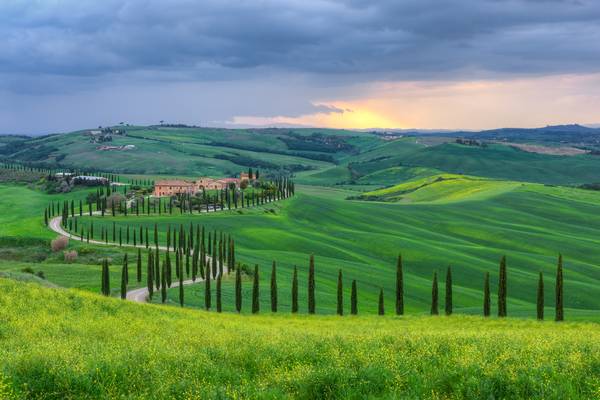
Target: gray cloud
<point>423,38</point>
<point>297,49</point>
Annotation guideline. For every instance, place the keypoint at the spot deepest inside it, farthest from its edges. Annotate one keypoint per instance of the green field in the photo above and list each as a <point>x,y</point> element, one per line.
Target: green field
<point>360,202</point>
<point>529,223</point>
<point>67,344</point>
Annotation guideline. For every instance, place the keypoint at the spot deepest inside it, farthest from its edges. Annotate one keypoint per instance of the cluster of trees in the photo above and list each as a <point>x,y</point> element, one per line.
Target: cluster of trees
<point>190,254</point>
<point>107,200</point>
<point>160,278</point>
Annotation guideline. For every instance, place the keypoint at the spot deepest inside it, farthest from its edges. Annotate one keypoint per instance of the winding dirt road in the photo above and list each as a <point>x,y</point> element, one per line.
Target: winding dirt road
<point>139,295</point>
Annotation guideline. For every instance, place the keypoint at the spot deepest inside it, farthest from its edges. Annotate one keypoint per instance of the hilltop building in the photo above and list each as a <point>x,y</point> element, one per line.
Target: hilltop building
<point>171,187</point>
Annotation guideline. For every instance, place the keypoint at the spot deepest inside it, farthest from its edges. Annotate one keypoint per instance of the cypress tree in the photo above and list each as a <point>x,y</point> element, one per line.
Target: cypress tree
<point>540,297</point>
<point>560,316</point>
<point>486,296</point>
<point>448,304</point>
<point>340,294</point>
<point>126,267</point>
<point>502,289</point>
<point>238,290</point>
<point>157,268</point>
<point>163,281</point>
<point>255,292</point>
<point>180,284</point>
<point>107,278</point>
<point>381,309</point>
<point>295,290</point>
<point>139,266</point>
<point>105,282</point>
<point>354,299</point>
<point>207,295</point>
<point>274,288</point>
<point>219,294</point>
<point>187,265</point>
<point>214,261</point>
<point>311,285</point>
<point>399,287</point>
<point>169,269</point>
<point>195,258</point>
<point>434,295</point>
<point>149,274</point>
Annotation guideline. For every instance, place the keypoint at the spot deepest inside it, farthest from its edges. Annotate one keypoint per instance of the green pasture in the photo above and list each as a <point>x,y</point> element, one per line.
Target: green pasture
<point>68,344</point>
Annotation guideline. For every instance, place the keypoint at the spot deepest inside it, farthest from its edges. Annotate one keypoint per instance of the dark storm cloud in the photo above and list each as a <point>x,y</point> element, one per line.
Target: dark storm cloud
<point>212,40</point>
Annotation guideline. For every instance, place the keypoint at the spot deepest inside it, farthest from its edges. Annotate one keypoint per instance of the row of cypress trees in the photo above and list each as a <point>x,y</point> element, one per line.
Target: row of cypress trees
<point>161,279</point>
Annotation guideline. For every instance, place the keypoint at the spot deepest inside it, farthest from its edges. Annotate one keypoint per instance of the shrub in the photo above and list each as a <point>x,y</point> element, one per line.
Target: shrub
<point>40,274</point>
<point>116,199</point>
<point>28,270</point>
<point>60,243</point>
<point>70,256</point>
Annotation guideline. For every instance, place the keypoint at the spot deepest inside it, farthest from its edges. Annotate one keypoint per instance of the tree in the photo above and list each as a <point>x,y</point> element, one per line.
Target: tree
<point>180,282</point>
<point>238,290</point>
<point>274,288</point>
<point>255,292</point>
<point>219,309</point>
<point>157,268</point>
<point>502,288</point>
<point>486,296</point>
<point>381,309</point>
<point>448,304</point>
<point>207,294</point>
<point>163,286</point>
<point>540,297</point>
<point>434,295</point>
<point>354,299</point>
<point>340,294</point>
<point>560,316</point>
<point>139,266</point>
<point>105,278</point>
<point>126,267</point>
<point>295,290</point>
<point>311,285</point>
<point>169,271</point>
<point>399,287</point>
<point>149,274</point>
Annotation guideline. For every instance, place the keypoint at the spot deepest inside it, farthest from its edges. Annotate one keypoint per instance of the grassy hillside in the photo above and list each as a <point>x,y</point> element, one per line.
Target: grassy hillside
<point>442,188</point>
<point>529,223</point>
<point>494,161</point>
<point>315,156</point>
<point>189,151</point>
<point>58,344</point>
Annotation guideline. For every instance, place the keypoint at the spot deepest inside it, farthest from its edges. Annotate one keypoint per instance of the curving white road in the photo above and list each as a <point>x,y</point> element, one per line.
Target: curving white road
<point>139,295</point>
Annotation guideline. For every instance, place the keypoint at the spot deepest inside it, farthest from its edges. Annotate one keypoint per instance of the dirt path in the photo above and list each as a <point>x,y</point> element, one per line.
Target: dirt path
<point>139,295</point>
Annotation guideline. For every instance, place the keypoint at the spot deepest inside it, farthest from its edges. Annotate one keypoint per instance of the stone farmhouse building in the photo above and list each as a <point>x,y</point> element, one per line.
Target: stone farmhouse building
<point>171,187</point>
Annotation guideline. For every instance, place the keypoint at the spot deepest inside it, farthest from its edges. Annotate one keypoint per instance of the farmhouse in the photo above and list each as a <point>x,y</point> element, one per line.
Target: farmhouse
<point>173,187</point>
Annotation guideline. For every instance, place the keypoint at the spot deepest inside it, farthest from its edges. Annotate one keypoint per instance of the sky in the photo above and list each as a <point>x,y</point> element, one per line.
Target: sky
<point>429,64</point>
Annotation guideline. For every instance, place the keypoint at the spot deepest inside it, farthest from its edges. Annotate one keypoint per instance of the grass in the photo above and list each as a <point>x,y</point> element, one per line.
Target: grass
<point>493,161</point>
<point>442,188</point>
<point>530,223</point>
<point>61,344</point>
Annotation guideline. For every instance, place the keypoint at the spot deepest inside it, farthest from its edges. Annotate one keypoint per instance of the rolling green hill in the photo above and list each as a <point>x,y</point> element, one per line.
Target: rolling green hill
<point>315,156</point>
<point>58,344</point>
<point>442,188</point>
<point>530,223</point>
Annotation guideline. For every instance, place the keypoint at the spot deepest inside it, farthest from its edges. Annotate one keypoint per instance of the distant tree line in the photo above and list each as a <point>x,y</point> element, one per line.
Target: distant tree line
<point>107,201</point>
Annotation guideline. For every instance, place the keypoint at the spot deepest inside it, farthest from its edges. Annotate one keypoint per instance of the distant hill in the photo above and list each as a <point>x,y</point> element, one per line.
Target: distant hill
<point>319,156</point>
